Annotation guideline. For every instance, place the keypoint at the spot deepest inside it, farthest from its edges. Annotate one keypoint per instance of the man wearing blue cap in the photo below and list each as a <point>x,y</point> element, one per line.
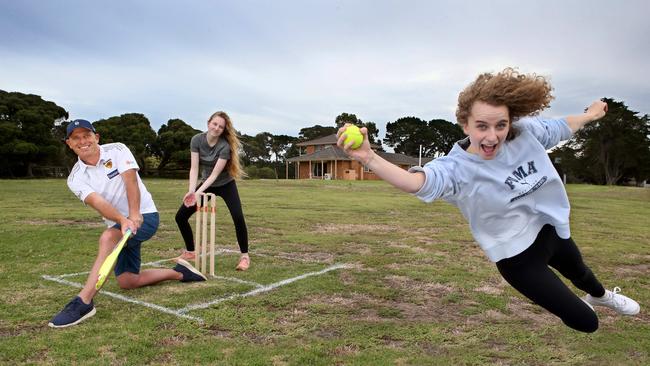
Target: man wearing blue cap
<point>106,178</point>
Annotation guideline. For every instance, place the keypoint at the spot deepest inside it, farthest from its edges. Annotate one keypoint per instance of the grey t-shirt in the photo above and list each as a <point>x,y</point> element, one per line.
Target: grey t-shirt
<point>208,156</point>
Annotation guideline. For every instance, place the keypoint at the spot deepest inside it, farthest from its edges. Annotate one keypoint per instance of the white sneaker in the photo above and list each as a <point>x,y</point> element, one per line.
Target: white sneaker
<point>615,301</point>
<point>588,304</point>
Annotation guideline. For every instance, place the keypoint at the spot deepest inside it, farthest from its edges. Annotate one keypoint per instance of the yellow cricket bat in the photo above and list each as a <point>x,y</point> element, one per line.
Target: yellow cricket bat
<point>110,261</point>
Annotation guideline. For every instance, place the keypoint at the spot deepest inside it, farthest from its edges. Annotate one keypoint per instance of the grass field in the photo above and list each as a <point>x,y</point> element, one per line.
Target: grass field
<point>416,289</point>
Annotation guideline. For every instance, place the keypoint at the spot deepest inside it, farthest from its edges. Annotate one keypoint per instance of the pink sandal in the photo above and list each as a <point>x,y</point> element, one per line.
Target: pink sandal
<point>244,263</point>
<point>187,255</point>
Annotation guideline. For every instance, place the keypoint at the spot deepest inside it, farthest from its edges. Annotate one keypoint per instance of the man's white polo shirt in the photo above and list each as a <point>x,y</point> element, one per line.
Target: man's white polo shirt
<point>104,179</point>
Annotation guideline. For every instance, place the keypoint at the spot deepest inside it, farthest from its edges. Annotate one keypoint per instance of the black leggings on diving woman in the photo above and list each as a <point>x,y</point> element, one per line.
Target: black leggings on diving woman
<point>529,273</point>
<point>230,195</point>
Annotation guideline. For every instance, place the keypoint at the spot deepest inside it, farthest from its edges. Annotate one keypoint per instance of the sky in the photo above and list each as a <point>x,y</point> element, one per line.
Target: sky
<point>279,66</point>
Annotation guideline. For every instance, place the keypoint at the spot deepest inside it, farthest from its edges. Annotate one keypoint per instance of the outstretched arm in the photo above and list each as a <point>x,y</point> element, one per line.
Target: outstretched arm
<point>398,177</point>
<point>595,111</point>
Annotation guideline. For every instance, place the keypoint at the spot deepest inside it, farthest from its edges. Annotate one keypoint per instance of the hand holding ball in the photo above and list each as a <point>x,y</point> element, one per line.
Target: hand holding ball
<point>353,134</point>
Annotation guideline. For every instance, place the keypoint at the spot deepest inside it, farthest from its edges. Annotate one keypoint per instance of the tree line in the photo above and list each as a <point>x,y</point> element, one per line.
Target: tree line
<point>32,131</point>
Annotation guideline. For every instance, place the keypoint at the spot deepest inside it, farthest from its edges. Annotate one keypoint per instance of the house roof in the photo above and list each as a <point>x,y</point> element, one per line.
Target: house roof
<point>327,153</point>
<point>336,153</point>
<point>398,158</point>
<point>325,140</point>
<point>333,152</point>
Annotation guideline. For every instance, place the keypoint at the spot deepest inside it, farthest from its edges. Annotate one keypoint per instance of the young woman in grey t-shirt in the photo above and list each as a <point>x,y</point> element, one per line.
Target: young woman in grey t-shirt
<point>215,154</point>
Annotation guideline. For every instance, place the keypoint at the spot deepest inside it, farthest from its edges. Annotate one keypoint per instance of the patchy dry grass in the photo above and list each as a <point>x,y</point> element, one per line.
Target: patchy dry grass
<point>418,291</point>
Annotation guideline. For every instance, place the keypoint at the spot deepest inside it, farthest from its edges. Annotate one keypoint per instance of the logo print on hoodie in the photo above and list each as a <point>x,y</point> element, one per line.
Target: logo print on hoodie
<point>519,177</point>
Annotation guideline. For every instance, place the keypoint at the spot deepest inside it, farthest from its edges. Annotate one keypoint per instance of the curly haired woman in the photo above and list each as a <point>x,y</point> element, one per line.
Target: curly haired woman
<point>215,152</point>
<point>503,182</point>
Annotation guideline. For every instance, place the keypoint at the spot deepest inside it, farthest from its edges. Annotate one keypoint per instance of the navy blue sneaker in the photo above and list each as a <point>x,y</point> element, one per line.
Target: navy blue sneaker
<point>73,313</point>
<point>190,274</point>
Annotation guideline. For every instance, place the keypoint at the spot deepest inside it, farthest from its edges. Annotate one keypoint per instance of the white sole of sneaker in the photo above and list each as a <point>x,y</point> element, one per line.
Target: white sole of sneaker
<point>90,314</point>
<point>187,265</point>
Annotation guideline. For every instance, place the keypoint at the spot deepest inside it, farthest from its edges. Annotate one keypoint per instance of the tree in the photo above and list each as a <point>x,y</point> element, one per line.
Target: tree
<point>610,150</point>
<point>373,131</point>
<point>444,135</point>
<point>344,118</point>
<point>255,149</point>
<point>131,129</point>
<point>280,148</point>
<point>314,132</point>
<point>28,134</point>
<point>173,144</point>
<point>407,134</point>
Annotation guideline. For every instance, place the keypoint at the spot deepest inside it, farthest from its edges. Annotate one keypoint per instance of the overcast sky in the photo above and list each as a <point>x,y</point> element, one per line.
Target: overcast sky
<point>279,66</point>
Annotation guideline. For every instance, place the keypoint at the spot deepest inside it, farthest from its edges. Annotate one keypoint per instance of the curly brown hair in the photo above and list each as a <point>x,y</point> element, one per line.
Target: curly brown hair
<point>230,134</point>
<point>522,94</point>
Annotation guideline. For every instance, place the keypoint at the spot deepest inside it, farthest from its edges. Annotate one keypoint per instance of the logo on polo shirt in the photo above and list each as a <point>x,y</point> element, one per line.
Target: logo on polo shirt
<point>108,164</point>
<point>113,174</point>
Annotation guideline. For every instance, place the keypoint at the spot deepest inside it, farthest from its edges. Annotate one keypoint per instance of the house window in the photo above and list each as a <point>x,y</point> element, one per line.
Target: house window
<point>318,169</point>
<point>366,169</point>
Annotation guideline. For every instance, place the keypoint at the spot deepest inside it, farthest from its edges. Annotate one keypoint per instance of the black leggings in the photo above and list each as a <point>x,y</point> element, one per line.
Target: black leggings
<point>230,195</point>
<point>529,273</point>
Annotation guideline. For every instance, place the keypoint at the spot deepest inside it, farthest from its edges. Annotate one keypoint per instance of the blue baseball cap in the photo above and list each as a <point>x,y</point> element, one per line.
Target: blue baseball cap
<point>76,124</point>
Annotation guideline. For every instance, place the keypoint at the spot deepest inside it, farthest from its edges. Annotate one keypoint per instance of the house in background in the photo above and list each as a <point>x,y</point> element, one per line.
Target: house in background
<point>322,159</point>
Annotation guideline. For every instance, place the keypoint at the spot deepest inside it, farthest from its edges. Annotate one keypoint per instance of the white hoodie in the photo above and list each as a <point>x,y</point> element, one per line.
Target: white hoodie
<point>508,199</point>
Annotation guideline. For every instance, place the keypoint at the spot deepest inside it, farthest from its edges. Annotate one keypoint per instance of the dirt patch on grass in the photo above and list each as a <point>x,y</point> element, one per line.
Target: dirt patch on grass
<point>431,349</point>
<point>327,333</point>
<point>633,269</point>
<point>426,240</point>
<point>41,357</point>
<point>86,223</point>
<point>360,249</point>
<point>347,278</point>
<point>391,342</point>
<point>108,353</point>
<point>346,350</point>
<point>219,332</point>
<point>165,358</point>
<point>638,257</point>
<point>309,257</point>
<point>294,317</point>
<point>27,295</point>
<point>520,308</point>
<point>278,361</point>
<point>354,229</point>
<point>488,316</point>
<point>418,289</point>
<point>178,340</point>
<point>429,306</point>
<point>267,230</point>
<point>492,287</point>
<point>411,248</point>
<point>257,338</point>
<point>19,329</point>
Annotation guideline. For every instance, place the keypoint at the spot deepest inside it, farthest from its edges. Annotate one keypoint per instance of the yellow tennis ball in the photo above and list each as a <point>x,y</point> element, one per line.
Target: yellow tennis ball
<point>353,134</point>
